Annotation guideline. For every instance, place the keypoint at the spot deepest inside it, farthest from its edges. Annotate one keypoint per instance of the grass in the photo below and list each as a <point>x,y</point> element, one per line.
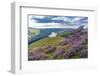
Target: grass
<point>46,41</point>
<point>76,56</point>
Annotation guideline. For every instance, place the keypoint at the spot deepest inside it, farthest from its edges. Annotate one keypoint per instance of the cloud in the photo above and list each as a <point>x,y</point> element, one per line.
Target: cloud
<point>57,21</point>
<point>37,17</point>
<point>31,20</point>
<point>81,21</point>
<point>43,25</point>
<point>51,25</point>
<point>62,18</point>
<point>53,34</point>
<point>77,19</point>
<point>84,20</point>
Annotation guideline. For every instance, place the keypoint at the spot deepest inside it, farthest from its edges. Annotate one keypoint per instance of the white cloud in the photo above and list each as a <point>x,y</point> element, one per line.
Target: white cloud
<point>40,17</point>
<point>51,25</point>
<point>43,25</point>
<point>86,20</point>
<point>53,34</point>
<point>62,18</point>
<point>77,19</point>
<point>32,22</point>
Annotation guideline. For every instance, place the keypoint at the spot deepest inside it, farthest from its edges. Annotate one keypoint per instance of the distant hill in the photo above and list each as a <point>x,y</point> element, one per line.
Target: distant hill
<point>37,34</point>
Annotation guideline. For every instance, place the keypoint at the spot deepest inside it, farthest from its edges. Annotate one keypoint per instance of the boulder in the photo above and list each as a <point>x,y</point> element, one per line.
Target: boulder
<point>70,53</point>
<point>50,48</point>
<point>83,53</point>
<point>58,53</point>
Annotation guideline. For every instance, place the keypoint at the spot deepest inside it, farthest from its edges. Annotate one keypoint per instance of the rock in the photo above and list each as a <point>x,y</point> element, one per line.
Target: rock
<point>40,56</point>
<point>38,50</point>
<point>58,53</point>
<point>70,53</point>
<point>65,42</point>
<point>77,47</point>
<point>50,49</point>
<point>83,53</point>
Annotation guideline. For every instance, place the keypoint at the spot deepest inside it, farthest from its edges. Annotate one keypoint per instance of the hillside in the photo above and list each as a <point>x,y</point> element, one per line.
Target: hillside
<point>66,45</point>
<point>46,41</point>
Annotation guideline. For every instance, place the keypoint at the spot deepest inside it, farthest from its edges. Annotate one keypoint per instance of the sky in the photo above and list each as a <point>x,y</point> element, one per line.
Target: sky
<point>42,21</point>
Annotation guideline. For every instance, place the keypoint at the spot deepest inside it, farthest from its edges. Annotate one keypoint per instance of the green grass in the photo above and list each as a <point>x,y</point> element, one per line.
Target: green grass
<point>76,56</point>
<point>46,41</point>
<point>65,34</point>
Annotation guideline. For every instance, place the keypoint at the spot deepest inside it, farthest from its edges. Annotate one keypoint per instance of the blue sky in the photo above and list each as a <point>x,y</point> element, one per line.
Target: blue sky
<point>57,21</point>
